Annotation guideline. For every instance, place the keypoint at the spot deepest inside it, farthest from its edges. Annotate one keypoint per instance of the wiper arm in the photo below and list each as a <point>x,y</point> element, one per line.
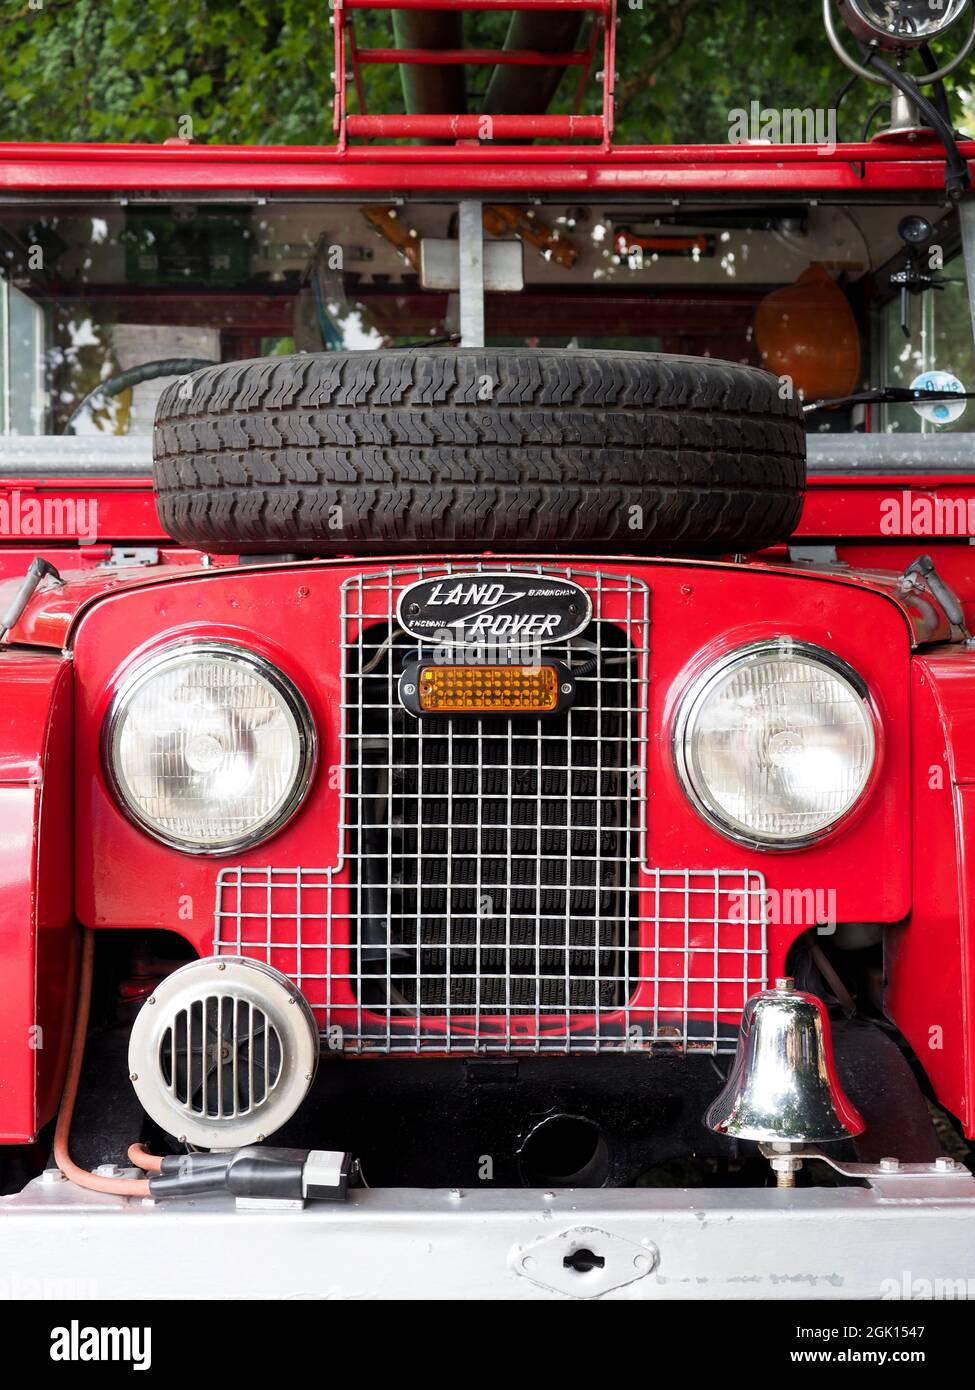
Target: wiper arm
<point>889,395</point>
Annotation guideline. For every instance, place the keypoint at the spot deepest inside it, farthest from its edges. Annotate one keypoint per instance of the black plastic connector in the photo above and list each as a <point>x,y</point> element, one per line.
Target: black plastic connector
<point>256,1172</point>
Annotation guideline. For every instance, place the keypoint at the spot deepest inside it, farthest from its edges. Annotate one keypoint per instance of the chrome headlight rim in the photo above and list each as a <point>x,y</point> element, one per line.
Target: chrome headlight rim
<point>697,691</point>
<point>172,655</point>
<point>868,27</point>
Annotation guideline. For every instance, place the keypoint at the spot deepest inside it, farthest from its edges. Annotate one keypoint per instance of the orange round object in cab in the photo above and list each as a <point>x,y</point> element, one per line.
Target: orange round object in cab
<point>807,331</point>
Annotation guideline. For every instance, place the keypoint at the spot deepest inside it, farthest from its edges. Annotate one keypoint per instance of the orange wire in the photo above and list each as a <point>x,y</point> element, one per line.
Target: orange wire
<point>120,1187</point>
<point>139,1157</point>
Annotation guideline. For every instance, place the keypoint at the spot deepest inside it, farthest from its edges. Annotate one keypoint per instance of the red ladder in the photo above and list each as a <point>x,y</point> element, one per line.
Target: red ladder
<point>463,127</point>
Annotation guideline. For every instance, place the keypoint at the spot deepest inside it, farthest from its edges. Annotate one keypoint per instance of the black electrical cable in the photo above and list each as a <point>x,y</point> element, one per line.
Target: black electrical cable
<point>957,179</point>
<point>940,97</point>
<point>847,87</point>
<point>874,113</point>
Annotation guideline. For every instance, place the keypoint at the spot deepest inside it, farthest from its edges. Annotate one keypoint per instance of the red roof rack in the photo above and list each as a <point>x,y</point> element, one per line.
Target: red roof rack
<point>349,60</point>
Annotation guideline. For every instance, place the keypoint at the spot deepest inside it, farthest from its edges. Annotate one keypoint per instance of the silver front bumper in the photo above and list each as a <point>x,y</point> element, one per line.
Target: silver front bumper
<point>908,1237</point>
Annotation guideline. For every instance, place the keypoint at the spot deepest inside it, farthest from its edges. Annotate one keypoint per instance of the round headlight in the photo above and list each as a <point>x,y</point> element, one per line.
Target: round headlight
<point>900,23</point>
<point>774,744</point>
<point>208,747</point>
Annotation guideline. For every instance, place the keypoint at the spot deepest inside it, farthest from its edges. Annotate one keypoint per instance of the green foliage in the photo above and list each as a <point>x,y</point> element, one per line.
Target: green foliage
<point>127,70</point>
<point>258,71</point>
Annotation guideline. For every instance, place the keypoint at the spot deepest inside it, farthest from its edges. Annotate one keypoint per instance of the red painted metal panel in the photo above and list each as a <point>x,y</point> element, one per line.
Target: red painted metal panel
<point>52,613</point>
<point>18,973</point>
<point>36,924</point>
<point>906,155</point>
<point>462,127</point>
<point>70,560</point>
<point>57,935</point>
<point>888,507</point>
<point>503,57</point>
<point>930,959</point>
<point>860,168</point>
<point>82,511</point>
<point>473,4</point>
<point>291,615</point>
<point>858,507</point>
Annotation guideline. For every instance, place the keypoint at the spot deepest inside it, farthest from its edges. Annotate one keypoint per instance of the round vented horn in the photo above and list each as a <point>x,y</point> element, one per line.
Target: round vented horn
<point>224,1052</point>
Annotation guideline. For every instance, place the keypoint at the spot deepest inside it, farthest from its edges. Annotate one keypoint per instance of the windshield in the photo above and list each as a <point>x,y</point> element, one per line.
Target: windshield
<point>832,298</point>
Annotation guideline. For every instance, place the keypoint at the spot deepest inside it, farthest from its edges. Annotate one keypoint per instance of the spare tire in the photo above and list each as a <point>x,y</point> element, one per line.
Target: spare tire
<point>469,449</point>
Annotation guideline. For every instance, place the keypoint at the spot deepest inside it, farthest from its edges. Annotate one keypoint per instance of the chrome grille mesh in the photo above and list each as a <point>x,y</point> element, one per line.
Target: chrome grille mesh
<point>492,893</point>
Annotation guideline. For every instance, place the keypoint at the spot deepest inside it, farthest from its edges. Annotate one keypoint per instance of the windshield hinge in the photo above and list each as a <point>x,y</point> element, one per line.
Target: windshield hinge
<point>922,574</point>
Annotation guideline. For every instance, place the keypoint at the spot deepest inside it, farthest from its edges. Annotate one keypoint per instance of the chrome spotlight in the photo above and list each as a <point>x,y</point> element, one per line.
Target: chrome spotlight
<point>898,27</point>
<point>900,24</point>
<point>783,1087</point>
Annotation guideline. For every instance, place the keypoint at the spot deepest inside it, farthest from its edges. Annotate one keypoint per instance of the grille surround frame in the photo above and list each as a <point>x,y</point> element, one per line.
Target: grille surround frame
<point>694,941</point>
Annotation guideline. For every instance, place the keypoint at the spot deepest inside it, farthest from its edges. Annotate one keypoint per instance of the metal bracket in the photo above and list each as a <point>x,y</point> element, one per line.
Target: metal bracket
<point>471,257</point>
<point>890,1177</point>
<point>122,557</point>
<point>814,554</point>
<point>274,1204</point>
<point>38,570</point>
<point>922,573</point>
<point>584,1261</point>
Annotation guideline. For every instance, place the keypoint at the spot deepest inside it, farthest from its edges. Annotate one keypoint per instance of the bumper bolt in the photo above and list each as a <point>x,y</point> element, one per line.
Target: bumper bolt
<point>785,1169</point>
<point>784,1164</point>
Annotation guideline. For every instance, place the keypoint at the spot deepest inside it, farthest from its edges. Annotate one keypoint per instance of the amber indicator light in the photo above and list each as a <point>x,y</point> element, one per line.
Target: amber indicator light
<point>488,689</point>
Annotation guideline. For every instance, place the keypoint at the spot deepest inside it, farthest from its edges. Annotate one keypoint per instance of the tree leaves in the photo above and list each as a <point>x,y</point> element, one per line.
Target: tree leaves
<point>258,71</point>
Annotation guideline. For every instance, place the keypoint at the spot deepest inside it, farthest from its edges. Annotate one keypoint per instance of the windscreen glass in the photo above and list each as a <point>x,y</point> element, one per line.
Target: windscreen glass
<point>103,303</point>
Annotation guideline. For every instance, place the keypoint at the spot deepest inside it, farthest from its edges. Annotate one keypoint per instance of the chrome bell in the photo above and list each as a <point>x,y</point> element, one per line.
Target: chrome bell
<point>783,1088</point>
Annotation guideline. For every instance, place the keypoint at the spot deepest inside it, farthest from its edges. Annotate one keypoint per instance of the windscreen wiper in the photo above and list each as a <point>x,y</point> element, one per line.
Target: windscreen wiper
<point>889,395</point>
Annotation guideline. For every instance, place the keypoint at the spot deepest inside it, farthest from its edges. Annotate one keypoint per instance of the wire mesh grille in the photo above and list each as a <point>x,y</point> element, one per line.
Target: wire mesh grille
<point>492,893</point>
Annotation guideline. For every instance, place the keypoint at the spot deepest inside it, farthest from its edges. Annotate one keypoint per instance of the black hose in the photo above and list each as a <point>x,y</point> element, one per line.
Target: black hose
<point>957,178</point>
<point>132,376</point>
<point>940,96</point>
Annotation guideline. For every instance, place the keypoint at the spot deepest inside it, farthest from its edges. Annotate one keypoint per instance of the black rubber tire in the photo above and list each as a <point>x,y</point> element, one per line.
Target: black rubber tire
<point>503,449</point>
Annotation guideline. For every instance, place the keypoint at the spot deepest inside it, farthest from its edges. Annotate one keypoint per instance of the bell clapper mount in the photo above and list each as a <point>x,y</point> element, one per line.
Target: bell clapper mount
<point>785,1162</point>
